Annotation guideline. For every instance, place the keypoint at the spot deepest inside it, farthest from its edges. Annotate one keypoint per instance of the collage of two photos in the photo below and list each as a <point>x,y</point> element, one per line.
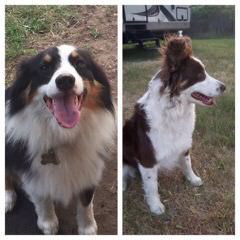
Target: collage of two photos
<point>62,119</point>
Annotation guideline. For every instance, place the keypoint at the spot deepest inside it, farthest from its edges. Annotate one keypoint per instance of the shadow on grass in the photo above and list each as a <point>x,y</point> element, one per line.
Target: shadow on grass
<point>132,52</point>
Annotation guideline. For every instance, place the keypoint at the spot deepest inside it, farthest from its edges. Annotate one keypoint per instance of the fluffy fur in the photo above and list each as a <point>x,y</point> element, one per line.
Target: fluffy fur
<point>159,134</point>
<point>61,101</point>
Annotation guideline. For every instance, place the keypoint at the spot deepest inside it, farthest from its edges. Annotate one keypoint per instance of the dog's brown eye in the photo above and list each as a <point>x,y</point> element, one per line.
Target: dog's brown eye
<point>44,67</point>
<point>80,63</point>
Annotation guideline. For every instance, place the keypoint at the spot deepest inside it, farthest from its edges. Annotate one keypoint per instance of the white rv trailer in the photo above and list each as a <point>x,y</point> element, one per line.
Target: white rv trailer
<point>147,22</point>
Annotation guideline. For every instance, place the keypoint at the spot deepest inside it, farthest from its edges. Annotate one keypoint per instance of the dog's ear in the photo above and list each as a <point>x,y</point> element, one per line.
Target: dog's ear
<point>18,93</point>
<point>176,50</point>
<point>100,76</point>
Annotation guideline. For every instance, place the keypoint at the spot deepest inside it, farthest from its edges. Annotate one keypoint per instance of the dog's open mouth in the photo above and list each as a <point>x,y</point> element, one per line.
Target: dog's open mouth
<point>209,101</point>
<point>65,108</point>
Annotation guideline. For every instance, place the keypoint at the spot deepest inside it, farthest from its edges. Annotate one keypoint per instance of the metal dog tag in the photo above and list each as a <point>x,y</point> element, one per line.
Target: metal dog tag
<point>49,157</point>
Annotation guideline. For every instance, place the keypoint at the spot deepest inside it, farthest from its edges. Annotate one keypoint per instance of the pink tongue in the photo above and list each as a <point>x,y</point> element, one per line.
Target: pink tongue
<point>66,111</point>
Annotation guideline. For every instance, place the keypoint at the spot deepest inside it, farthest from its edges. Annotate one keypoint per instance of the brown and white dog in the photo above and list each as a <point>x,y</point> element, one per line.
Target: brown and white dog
<point>59,126</point>
<point>159,134</point>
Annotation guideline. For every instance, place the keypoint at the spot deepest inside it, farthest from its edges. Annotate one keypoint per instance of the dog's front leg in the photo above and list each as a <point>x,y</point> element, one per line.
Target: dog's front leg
<point>85,216</point>
<point>150,186</point>
<point>186,165</point>
<point>47,219</point>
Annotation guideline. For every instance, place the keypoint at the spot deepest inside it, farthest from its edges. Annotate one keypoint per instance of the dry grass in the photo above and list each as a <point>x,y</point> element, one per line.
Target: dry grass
<point>189,210</point>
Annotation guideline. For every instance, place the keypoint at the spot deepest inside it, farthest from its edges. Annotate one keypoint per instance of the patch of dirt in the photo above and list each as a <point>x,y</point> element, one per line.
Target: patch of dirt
<point>104,48</point>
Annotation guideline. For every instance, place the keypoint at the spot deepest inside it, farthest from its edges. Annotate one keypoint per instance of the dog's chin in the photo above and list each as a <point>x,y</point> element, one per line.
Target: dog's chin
<point>203,100</point>
<point>66,108</point>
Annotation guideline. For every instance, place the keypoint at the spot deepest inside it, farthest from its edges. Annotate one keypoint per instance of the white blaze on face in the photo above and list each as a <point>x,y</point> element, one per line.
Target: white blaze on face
<point>203,92</point>
<point>210,87</point>
<point>65,68</point>
<point>66,104</point>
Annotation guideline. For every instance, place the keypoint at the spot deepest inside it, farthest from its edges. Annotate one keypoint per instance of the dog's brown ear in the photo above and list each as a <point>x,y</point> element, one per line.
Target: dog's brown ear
<point>176,50</point>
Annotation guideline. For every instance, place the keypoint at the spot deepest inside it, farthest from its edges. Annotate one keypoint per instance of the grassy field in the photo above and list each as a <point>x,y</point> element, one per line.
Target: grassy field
<point>32,29</point>
<point>24,22</point>
<point>209,209</point>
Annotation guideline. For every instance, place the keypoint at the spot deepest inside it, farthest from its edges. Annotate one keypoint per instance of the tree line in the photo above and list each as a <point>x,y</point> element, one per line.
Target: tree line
<point>212,21</point>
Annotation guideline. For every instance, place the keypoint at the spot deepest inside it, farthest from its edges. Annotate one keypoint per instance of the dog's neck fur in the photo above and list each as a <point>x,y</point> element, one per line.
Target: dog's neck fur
<point>36,127</point>
<point>160,106</point>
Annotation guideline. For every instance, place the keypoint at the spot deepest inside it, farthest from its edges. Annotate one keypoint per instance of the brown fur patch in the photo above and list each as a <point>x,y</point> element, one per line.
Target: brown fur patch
<point>47,58</point>
<point>31,95</point>
<point>28,94</point>
<point>176,49</point>
<point>136,143</point>
<point>93,91</point>
<point>75,54</point>
<point>179,70</point>
<point>9,183</point>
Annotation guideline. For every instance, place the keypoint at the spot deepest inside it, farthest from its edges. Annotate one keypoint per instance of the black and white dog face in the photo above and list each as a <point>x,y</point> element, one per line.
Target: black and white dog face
<point>64,79</point>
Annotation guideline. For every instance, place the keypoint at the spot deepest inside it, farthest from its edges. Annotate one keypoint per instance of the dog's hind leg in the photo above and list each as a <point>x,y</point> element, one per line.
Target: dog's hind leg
<point>47,219</point>
<point>150,186</point>
<point>186,165</point>
<point>10,194</point>
<point>85,215</point>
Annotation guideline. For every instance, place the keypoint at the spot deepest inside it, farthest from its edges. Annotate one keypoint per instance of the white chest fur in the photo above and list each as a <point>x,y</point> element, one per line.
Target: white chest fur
<point>78,168</point>
<point>171,126</point>
<point>77,150</point>
<point>171,137</point>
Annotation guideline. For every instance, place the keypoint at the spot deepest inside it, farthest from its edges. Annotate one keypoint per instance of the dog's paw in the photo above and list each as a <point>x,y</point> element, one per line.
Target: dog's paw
<point>158,209</point>
<point>156,206</point>
<point>10,199</point>
<point>48,226</point>
<point>196,181</point>
<point>88,230</point>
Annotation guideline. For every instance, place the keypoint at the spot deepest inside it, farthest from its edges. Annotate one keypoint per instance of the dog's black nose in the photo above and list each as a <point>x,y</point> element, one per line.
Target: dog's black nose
<point>65,82</point>
<point>222,87</point>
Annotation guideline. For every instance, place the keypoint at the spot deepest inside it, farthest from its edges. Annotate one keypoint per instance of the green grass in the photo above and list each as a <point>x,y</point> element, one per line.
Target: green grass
<point>208,209</point>
<point>95,33</point>
<point>218,56</point>
<point>24,21</point>
<point>132,52</point>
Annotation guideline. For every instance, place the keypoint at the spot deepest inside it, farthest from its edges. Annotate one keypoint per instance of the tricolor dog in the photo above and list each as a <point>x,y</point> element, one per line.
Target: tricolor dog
<point>60,125</point>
